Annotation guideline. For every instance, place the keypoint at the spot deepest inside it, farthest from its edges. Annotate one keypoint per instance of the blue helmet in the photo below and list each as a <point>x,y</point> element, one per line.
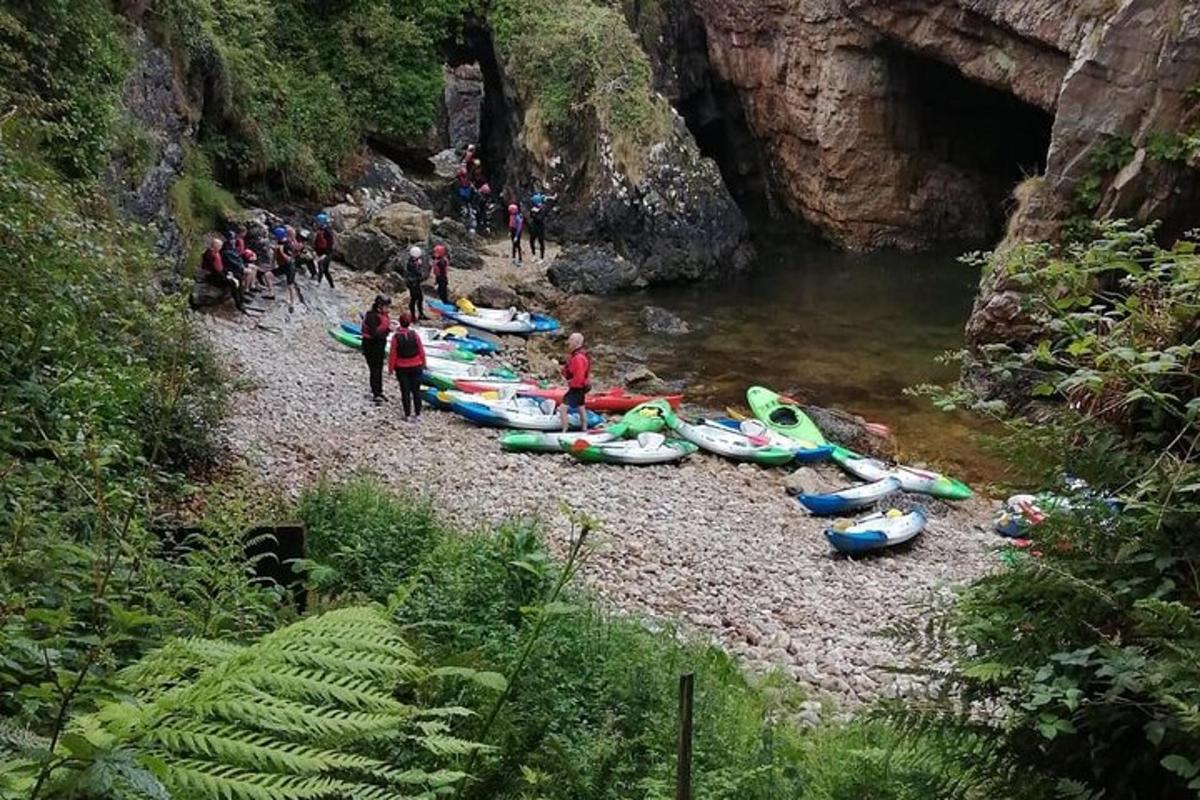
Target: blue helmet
<point>322,218</point>
<point>538,198</point>
<point>280,233</point>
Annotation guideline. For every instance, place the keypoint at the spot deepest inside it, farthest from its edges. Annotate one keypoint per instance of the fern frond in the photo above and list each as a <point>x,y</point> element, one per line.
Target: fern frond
<point>318,687</point>
<point>288,717</point>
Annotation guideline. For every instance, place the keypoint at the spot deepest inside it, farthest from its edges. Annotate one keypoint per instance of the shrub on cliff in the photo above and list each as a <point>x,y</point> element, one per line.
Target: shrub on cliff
<point>1087,647</point>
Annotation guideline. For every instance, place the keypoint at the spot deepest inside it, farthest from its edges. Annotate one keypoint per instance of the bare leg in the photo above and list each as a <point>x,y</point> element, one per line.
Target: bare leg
<point>562,413</point>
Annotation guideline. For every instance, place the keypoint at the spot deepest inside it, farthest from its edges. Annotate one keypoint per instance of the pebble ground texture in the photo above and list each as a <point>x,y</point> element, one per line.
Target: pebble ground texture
<point>719,547</point>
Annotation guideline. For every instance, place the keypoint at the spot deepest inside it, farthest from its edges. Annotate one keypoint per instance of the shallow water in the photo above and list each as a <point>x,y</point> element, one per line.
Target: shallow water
<point>839,330</point>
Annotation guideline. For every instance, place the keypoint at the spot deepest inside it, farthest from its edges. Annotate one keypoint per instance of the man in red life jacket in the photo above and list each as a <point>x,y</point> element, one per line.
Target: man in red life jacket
<point>375,329</point>
<point>441,272</point>
<point>407,361</point>
<point>215,273</point>
<point>578,373</point>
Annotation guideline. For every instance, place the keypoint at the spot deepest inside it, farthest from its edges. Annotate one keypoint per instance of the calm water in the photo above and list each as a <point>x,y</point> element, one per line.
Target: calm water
<point>845,331</point>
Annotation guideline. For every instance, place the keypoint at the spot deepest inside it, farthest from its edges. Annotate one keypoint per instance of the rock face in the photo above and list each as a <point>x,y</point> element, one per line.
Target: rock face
<point>462,100</point>
<point>366,249</point>
<point>384,179</point>
<point>587,269</point>
<point>404,222</point>
<point>908,122</point>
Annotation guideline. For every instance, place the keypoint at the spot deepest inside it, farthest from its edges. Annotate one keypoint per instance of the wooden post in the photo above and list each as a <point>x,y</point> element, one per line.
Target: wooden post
<point>683,777</point>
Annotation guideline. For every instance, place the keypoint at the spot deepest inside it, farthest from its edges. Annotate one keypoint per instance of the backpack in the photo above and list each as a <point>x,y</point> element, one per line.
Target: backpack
<point>321,242</point>
<point>406,344</point>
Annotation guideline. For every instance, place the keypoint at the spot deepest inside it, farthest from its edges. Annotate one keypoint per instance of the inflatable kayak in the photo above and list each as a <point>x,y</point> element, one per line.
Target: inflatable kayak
<point>522,413</point>
<point>612,400</point>
<point>876,531</point>
<point>541,442</point>
<point>646,449</point>
<point>849,499</point>
<point>911,479</point>
<point>730,443</point>
<point>784,415</point>
<point>753,427</point>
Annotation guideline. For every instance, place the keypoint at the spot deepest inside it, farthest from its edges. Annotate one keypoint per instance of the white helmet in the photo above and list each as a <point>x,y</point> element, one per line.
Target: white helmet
<point>415,252</point>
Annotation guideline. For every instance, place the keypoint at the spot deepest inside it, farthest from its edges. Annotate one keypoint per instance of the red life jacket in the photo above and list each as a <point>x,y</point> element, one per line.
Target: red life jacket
<point>211,262</point>
<point>441,267</point>
<point>578,371</point>
<point>323,243</point>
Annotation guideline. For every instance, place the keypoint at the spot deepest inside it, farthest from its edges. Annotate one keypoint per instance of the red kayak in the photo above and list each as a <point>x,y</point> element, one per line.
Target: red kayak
<point>614,400</point>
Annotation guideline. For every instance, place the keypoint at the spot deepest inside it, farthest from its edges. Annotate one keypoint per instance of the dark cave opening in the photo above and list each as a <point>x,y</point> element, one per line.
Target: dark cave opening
<point>497,117</point>
<point>988,134</point>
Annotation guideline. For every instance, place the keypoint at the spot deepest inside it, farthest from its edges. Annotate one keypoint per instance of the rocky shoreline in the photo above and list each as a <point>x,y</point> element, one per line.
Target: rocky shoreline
<point>719,547</point>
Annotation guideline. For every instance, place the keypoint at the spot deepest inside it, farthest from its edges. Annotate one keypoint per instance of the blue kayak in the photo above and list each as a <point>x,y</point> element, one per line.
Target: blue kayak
<point>876,532</point>
<point>519,413</point>
<point>469,343</point>
<point>867,494</point>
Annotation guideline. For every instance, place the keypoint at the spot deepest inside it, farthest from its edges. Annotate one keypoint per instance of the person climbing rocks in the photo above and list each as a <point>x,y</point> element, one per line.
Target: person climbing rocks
<point>215,273</point>
<point>475,172</point>
<point>468,156</point>
<point>414,273</point>
<point>285,266</point>
<point>538,212</point>
<point>483,209</point>
<point>516,226</point>
<point>375,329</point>
<point>323,243</point>
<point>407,361</point>
<point>464,193</point>
<point>441,272</point>
<point>578,372</point>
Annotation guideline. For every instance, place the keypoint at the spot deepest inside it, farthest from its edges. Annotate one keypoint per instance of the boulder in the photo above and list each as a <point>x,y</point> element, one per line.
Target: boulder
<point>804,480</point>
<point>592,269</point>
<point>404,222</point>
<point>345,217</point>
<point>662,322</point>
<point>460,244</point>
<point>852,431</point>
<point>642,379</point>
<point>205,294</point>
<point>366,249</point>
<point>383,177</point>
<point>491,295</point>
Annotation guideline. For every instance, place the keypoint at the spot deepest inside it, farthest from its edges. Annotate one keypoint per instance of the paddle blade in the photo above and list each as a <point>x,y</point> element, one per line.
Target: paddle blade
<point>456,330</point>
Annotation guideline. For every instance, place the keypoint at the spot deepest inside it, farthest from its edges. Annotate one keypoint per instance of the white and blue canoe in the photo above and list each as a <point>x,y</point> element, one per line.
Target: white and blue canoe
<point>497,320</point>
<point>519,413</point>
<point>856,497</point>
<point>876,532</point>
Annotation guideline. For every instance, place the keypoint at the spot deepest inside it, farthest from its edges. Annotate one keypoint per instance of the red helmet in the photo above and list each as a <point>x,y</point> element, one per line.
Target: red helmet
<point>485,189</point>
<point>439,250</point>
<point>512,209</point>
<point>462,170</point>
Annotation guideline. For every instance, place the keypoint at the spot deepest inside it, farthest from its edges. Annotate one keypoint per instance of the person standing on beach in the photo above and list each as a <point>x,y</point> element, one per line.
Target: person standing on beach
<point>375,329</point>
<point>407,361</point>
<point>578,372</point>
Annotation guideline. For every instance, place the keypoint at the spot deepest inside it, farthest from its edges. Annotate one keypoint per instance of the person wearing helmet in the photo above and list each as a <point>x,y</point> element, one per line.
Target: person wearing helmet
<point>441,272</point>
<point>375,329</point>
<point>475,171</point>
<point>578,372</point>
<point>323,244</point>
<point>297,244</point>
<point>483,209</point>
<point>516,225</point>
<point>414,273</point>
<point>464,194</point>
<point>468,155</point>
<point>285,265</point>
<point>537,224</point>
<point>407,360</point>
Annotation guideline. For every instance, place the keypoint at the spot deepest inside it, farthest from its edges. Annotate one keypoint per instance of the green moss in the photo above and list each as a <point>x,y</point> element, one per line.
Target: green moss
<point>200,204</point>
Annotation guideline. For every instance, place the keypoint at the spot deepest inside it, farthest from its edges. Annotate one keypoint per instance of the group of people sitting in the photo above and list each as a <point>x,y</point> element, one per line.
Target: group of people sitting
<point>230,264</point>
<point>476,204</point>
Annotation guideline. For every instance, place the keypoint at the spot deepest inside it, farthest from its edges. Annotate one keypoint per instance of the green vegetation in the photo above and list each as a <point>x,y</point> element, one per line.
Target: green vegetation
<point>199,204</point>
<point>1089,645</point>
<point>573,56</point>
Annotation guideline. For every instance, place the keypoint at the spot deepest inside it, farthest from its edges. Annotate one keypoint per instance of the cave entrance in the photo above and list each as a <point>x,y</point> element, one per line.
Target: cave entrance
<point>489,113</point>
<point>989,135</point>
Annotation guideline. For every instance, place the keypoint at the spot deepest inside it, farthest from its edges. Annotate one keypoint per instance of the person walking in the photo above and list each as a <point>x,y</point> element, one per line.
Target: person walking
<point>407,361</point>
<point>538,212</point>
<point>285,266</point>
<point>375,329</point>
<point>441,272</point>
<point>323,244</point>
<point>516,225</point>
<point>578,372</point>
<point>414,273</point>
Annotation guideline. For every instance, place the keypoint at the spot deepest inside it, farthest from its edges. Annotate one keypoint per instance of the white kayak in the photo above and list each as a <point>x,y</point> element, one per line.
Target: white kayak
<point>521,413</point>
<point>647,448</point>
<point>542,442</point>
<point>731,443</point>
<point>876,531</point>
<point>496,320</point>
<point>911,479</point>
<point>850,499</point>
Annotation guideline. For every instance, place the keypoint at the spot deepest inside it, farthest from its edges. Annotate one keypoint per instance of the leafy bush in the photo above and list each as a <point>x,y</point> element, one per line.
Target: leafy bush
<point>308,711</point>
<point>1087,647</point>
<point>63,63</point>
<point>362,539</point>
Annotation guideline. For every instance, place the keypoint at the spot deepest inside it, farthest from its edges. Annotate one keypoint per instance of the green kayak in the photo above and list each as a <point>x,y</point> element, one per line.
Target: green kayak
<point>349,339</point>
<point>783,414</point>
<point>649,417</point>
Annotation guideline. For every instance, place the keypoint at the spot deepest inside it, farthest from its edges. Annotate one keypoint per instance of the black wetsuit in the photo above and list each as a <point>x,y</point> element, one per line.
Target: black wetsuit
<point>414,273</point>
